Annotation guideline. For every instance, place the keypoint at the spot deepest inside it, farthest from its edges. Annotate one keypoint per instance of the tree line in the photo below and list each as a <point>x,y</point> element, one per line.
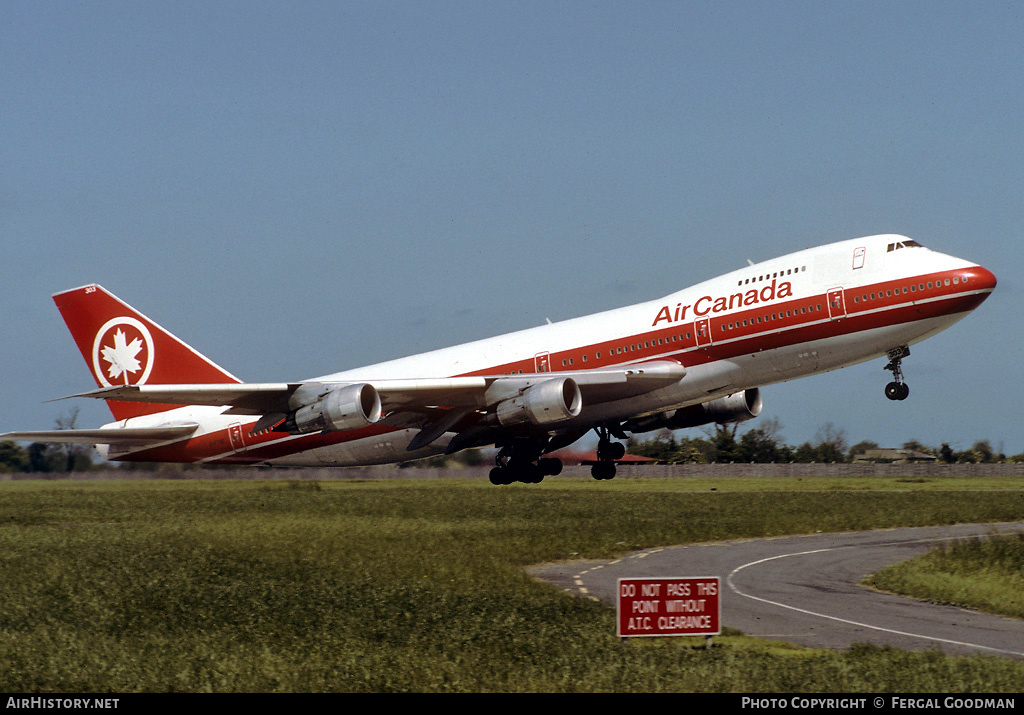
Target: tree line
<point>764,444</point>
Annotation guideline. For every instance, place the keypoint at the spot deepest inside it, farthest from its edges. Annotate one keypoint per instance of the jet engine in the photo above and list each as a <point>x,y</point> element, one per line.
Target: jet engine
<point>349,407</point>
<point>737,407</point>
<point>554,400</point>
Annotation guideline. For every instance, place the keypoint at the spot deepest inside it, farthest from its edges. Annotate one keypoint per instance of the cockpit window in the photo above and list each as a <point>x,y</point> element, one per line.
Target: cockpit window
<point>903,244</point>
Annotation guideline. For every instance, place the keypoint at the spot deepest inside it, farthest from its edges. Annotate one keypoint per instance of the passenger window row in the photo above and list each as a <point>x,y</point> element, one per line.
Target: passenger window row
<point>767,318</point>
<point>905,290</point>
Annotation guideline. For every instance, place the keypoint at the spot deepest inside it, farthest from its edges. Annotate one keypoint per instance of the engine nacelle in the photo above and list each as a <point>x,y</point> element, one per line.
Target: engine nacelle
<point>737,407</point>
<point>554,400</point>
<point>349,407</point>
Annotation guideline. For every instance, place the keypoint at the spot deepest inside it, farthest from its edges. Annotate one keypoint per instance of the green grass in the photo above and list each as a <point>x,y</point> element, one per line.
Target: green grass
<point>986,575</point>
<point>416,586</point>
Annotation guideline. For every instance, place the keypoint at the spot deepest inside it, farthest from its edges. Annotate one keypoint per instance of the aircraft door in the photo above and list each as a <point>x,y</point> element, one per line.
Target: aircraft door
<point>836,304</point>
<point>702,331</point>
<point>235,435</point>
<point>542,362</point>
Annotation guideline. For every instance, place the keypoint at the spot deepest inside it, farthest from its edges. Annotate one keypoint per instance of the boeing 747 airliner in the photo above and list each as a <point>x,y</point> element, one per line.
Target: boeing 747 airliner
<point>693,357</point>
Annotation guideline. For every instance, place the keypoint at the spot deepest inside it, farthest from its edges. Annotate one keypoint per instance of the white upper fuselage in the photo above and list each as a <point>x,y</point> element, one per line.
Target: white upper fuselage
<point>808,273</point>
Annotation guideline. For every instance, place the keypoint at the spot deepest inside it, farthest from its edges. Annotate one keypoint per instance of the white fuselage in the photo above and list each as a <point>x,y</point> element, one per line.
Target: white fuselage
<point>808,312</point>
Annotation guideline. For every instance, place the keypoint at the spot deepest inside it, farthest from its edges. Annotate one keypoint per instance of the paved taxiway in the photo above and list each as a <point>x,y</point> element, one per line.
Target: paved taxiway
<point>804,589</point>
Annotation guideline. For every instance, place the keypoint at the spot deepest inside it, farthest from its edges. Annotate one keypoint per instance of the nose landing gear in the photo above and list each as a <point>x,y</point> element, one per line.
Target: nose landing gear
<point>897,389</point>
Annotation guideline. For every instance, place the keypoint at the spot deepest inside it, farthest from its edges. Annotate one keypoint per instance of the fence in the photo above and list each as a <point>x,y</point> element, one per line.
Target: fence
<point>625,471</point>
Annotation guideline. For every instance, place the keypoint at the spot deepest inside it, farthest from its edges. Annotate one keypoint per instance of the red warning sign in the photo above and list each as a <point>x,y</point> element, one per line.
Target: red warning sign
<point>687,606</point>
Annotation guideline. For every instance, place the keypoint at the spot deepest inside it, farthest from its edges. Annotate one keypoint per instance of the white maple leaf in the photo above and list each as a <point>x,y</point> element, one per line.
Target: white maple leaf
<point>122,356</point>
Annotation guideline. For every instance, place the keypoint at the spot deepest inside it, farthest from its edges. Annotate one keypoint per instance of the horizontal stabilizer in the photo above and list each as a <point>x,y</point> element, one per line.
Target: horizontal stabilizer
<point>127,436</point>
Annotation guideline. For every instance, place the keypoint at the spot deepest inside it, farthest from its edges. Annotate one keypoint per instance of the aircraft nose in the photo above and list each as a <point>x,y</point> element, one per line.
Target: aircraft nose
<point>982,278</point>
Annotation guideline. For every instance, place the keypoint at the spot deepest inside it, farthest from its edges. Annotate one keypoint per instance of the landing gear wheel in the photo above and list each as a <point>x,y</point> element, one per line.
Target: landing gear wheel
<point>530,474</point>
<point>897,389</point>
<point>611,451</point>
<point>518,461</point>
<point>550,466</point>
<point>499,475</point>
<point>607,453</point>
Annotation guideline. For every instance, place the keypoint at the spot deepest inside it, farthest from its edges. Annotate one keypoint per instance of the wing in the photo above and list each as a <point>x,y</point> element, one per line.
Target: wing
<point>596,386</point>
<point>130,436</point>
<point>434,405</point>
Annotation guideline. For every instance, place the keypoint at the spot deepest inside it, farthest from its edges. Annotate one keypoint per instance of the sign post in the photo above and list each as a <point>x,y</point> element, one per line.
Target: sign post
<point>683,606</point>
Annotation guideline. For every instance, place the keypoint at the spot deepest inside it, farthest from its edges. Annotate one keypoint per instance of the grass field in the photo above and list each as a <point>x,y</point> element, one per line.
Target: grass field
<point>420,585</point>
<point>986,575</point>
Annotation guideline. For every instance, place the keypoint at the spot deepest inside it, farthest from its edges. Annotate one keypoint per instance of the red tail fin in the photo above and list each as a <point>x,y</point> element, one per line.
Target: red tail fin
<point>123,347</point>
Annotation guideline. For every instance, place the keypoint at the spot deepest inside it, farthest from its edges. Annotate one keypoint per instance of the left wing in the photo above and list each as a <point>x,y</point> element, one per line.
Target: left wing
<point>256,398</point>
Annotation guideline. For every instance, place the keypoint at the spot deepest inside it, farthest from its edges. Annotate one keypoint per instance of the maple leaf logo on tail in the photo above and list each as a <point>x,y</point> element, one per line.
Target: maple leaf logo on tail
<point>122,352</point>
<point>122,356</point>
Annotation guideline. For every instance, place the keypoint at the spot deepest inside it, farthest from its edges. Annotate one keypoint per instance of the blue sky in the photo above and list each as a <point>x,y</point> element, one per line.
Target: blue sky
<point>298,188</point>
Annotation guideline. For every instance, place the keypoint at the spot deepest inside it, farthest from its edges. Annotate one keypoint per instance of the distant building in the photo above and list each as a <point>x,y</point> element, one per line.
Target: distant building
<point>894,456</point>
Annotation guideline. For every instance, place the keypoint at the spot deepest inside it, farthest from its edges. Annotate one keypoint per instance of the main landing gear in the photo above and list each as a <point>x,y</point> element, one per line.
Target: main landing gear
<point>897,389</point>
<point>519,461</point>
<point>607,453</point>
